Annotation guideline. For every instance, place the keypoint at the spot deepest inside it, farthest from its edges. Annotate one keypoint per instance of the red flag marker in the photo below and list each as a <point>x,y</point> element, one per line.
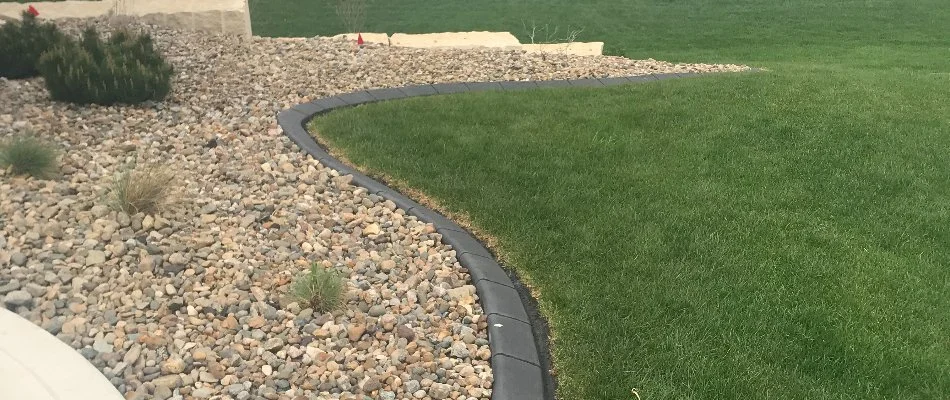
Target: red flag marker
<point>32,11</point>
<point>359,39</point>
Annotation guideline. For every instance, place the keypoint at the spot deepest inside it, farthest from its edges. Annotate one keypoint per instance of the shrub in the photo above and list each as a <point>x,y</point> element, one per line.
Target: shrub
<point>22,43</point>
<point>321,289</point>
<point>145,188</point>
<point>125,69</point>
<point>27,155</point>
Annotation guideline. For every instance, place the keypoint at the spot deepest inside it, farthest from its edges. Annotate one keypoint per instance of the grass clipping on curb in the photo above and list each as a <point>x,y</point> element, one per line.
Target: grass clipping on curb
<point>143,188</point>
<point>27,155</point>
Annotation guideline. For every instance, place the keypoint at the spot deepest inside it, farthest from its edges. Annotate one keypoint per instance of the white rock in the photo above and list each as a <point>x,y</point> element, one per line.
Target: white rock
<point>95,257</point>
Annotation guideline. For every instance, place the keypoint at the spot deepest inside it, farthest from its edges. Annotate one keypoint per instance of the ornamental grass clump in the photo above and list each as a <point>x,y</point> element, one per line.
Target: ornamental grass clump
<point>27,155</point>
<point>320,289</point>
<point>146,188</point>
<point>124,69</point>
<point>22,43</point>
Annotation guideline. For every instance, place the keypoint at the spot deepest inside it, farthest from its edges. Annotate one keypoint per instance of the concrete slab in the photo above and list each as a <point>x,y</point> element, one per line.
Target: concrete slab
<point>456,40</point>
<point>368,37</point>
<point>37,366</point>
<point>576,48</point>
<point>14,384</point>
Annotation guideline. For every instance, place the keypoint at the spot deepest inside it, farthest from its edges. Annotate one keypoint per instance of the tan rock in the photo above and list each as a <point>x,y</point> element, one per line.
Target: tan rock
<point>199,355</point>
<point>168,381</point>
<point>151,341</point>
<point>371,229</point>
<point>229,323</point>
<point>173,365</point>
<point>256,322</point>
<point>462,295</point>
<point>355,332</point>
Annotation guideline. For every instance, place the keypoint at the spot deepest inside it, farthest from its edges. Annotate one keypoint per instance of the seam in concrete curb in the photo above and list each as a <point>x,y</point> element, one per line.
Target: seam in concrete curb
<point>519,366</point>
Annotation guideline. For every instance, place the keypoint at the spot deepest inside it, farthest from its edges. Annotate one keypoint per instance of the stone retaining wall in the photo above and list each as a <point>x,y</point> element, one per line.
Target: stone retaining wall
<point>219,16</point>
<point>234,17</point>
<point>471,40</point>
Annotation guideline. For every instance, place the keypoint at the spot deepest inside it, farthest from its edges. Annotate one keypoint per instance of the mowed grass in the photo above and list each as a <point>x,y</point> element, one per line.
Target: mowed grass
<point>768,236</point>
<point>779,235</point>
<point>872,33</point>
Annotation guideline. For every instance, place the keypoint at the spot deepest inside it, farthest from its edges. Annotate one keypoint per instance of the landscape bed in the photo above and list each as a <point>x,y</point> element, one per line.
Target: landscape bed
<point>195,300</point>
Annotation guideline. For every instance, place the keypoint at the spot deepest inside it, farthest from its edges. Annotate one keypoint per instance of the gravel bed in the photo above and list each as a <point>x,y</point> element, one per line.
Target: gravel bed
<point>193,303</point>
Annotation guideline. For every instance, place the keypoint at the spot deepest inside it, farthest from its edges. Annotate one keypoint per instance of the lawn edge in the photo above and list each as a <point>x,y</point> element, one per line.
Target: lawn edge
<point>520,357</point>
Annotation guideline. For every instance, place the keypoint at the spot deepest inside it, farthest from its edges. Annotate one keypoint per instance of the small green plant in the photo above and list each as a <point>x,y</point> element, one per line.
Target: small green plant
<point>27,155</point>
<point>22,43</point>
<point>321,289</point>
<point>124,69</point>
<point>145,188</point>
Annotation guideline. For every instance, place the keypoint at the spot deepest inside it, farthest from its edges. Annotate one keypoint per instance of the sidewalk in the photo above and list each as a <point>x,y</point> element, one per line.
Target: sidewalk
<point>35,365</point>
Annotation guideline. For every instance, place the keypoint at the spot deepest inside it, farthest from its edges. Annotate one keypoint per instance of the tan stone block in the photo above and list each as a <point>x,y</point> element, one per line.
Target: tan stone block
<point>207,21</point>
<point>217,16</point>
<point>178,20</point>
<point>235,22</point>
<point>575,48</point>
<point>456,40</point>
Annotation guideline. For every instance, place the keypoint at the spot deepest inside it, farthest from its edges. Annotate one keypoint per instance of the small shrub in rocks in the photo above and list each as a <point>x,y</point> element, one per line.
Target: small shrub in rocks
<point>126,69</point>
<point>22,43</point>
<point>27,155</point>
<point>321,289</point>
<point>145,188</point>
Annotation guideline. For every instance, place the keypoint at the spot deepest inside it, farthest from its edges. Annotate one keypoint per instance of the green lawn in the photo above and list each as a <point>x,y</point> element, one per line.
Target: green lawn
<point>779,235</point>
<point>870,33</point>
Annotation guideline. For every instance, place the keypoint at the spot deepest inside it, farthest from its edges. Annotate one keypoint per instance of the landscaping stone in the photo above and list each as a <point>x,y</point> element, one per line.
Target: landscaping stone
<point>18,259</point>
<point>17,298</point>
<point>95,257</point>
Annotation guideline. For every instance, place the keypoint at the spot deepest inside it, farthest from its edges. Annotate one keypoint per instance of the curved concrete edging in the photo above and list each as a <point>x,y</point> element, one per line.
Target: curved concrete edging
<point>36,365</point>
<point>521,367</point>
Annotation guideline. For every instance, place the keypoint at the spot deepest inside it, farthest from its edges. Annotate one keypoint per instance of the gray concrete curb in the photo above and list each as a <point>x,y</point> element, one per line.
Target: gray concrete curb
<point>519,366</point>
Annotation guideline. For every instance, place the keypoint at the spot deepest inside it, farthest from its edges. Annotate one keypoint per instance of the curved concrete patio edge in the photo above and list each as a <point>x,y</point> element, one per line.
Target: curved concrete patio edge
<point>36,365</point>
<point>520,367</point>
